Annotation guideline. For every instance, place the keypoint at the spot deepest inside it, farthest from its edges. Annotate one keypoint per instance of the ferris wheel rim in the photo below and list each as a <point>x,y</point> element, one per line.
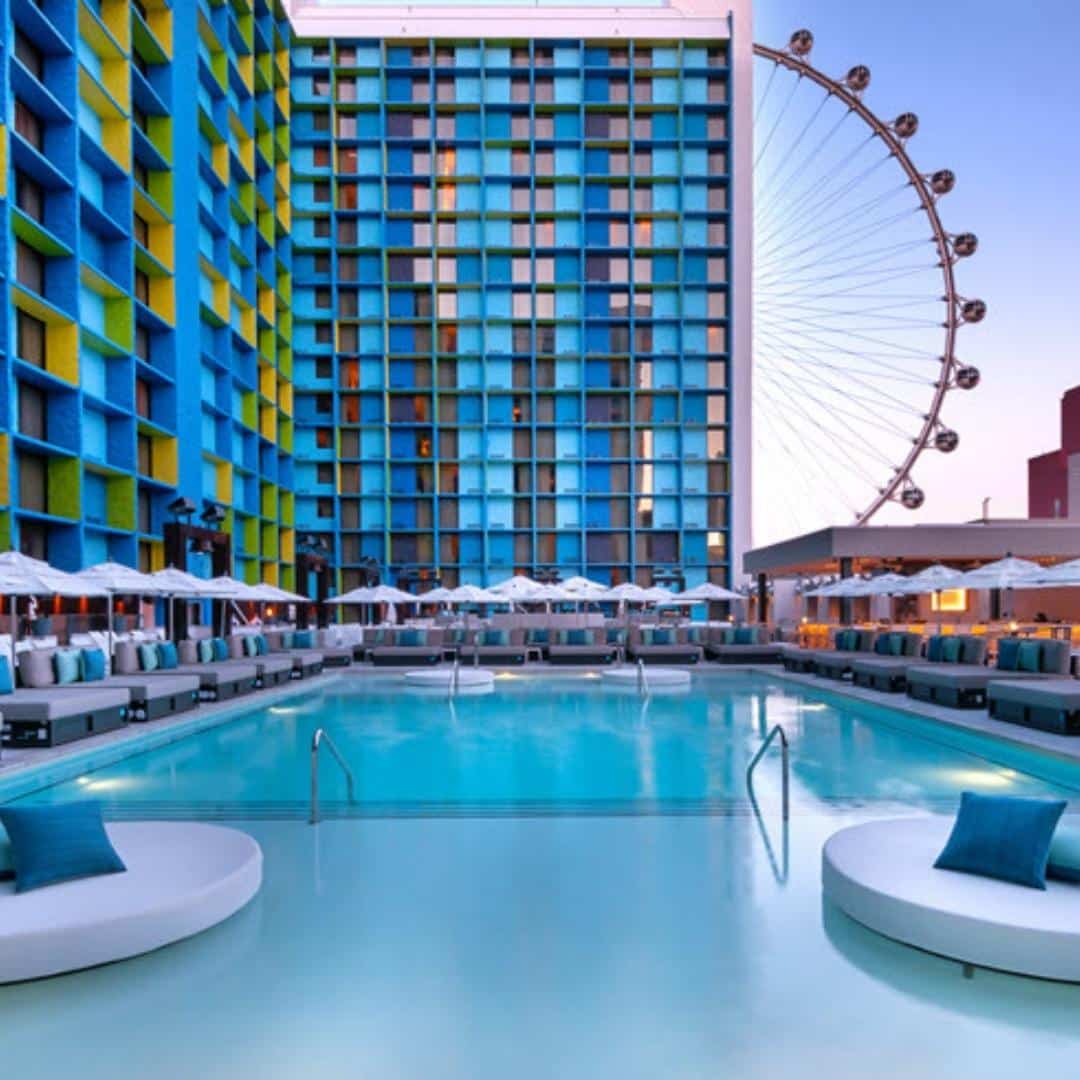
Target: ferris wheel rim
<point>901,479</point>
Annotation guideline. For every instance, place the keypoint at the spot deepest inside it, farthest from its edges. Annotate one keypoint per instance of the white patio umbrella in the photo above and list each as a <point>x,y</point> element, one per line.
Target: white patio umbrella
<point>173,582</point>
<point>376,594</point>
<point>845,587</point>
<point>583,586</point>
<point>518,587</point>
<point>473,594</point>
<point>707,592</point>
<point>119,580</point>
<point>266,593</point>
<point>436,596</point>
<point>1002,574</point>
<point>934,578</point>
<point>882,585</point>
<point>1064,575</point>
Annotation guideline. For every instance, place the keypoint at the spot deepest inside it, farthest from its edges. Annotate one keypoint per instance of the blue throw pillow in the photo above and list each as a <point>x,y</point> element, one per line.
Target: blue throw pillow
<point>1002,836</point>
<point>537,636</point>
<point>1027,658</point>
<point>262,646</point>
<point>495,637</point>
<point>302,640</point>
<point>881,646</point>
<point>251,646</point>
<point>66,665</point>
<point>579,637</point>
<point>615,636</point>
<point>412,637</point>
<point>206,651</point>
<point>1063,862</point>
<point>58,843</point>
<point>221,649</point>
<point>92,664</point>
<point>148,657</point>
<point>1008,653</point>
<point>166,656</point>
<point>744,635</point>
<point>950,650</point>
<point>933,648</point>
<point>896,644</point>
<point>6,685</point>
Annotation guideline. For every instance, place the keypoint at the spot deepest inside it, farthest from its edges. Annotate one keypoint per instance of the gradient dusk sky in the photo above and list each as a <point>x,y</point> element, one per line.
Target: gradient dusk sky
<point>997,92</point>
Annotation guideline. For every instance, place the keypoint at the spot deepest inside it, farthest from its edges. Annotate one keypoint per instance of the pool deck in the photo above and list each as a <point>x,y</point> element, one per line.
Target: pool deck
<point>23,770</point>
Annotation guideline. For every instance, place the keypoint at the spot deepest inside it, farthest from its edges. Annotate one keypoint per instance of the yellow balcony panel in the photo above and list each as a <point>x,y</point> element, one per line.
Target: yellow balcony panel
<point>224,483</point>
<point>163,455</point>
<point>114,132</point>
<point>108,29</point>
<point>61,335</point>
<point>268,422</point>
<point>246,66</point>
<point>288,545</point>
<point>285,396</point>
<point>267,381</point>
<point>160,239</point>
<point>215,51</point>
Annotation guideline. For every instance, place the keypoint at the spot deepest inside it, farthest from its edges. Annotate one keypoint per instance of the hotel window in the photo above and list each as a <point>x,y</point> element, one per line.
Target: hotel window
<point>520,234</point>
<point>142,343</point>
<point>520,126</point>
<point>545,162</point>
<point>716,269</point>
<point>347,158</point>
<point>716,234</point>
<point>320,54</point>
<point>447,270</point>
<point>324,404</point>
<point>519,198</point>
<point>421,197</point>
<point>347,268</point>
<point>420,90</point>
<point>145,511</point>
<point>716,339</point>
<point>29,126</point>
<point>545,305</point>
<point>544,127</point>
<point>544,90</point>
<point>643,198</point>
<point>142,398</point>
<point>347,194</point>
<point>346,89</point>
<point>324,367</point>
<point>519,89</point>
<point>447,233</point>
<point>643,304</point>
<point>446,162</point>
<point>716,126</point>
<point>324,438</point>
<point>141,174</point>
<point>717,162</point>
<point>717,91</point>
<point>543,56</point>
<point>642,90</point>
<point>346,125</point>
<point>446,127</point>
<point>444,56</point>
<point>346,55</point>
<point>347,338</point>
<point>448,305</point>
<point>619,269</point>
<point>33,484</point>
<point>519,162</point>
<point>545,270</point>
<point>643,271</point>
<point>421,234</point>
<point>522,339</point>
<point>618,233</point>
<point>522,305</point>
<point>320,85</point>
<point>420,57</point>
<point>324,472</point>
<point>421,161</point>
<point>545,343</point>
<point>619,197</point>
<point>324,333</point>
<point>643,232</point>
<point>447,194</point>
<point>643,127</point>
<point>320,120</point>
<point>717,197</point>
<point>33,414</point>
<point>618,90</point>
<point>643,162</point>
<point>618,163</point>
<point>519,56</point>
<point>618,58</point>
<point>444,90</point>
<point>448,338</point>
<point>521,270</point>
<point>545,198</point>
<point>30,56</point>
<point>144,454</point>
<point>29,196</point>
<point>320,191</point>
<point>320,227</point>
<point>324,299</point>
<point>348,303</point>
<point>29,267</point>
<point>324,508</point>
<point>322,264</point>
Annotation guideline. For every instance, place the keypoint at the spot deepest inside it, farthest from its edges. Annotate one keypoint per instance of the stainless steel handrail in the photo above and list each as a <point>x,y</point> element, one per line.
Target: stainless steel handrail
<point>642,682</point>
<point>455,676</point>
<point>785,765</point>
<point>317,739</point>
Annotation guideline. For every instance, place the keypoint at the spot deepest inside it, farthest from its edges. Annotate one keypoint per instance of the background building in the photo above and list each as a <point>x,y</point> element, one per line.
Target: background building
<point>442,304</point>
<point>1054,478</point>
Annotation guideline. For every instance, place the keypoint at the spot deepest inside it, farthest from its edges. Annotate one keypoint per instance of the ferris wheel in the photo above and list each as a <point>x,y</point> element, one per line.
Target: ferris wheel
<point>857,311</point>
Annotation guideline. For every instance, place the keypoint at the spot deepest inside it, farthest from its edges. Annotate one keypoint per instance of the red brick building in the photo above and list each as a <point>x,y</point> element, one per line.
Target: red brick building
<point>1054,478</point>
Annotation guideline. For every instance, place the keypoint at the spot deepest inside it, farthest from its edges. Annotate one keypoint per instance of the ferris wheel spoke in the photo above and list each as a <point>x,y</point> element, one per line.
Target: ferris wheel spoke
<point>776,124</point>
<point>843,256</point>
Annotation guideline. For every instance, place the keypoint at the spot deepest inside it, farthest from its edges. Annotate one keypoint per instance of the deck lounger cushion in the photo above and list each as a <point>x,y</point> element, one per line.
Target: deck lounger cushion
<point>206,651</point>
<point>148,658</point>
<point>251,646</point>
<point>302,640</point>
<point>934,649</point>
<point>494,637</point>
<point>1063,862</point>
<point>950,650</point>
<point>66,662</point>
<point>1002,836</point>
<point>167,656</point>
<point>896,644</point>
<point>58,843</point>
<point>1008,654</point>
<point>262,647</point>
<point>579,637</point>
<point>1027,657</point>
<point>412,637</point>
<point>36,669</point>
<point>745,635</point>
<point>220,648</point>
<point>536,636</point>
<point>881,646</point>
<point>92,665</point>
<point>6,684</point>
<point>657,635</point>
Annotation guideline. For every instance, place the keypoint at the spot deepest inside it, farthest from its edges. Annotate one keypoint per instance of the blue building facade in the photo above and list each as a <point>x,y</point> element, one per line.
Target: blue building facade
<point>450,307</point>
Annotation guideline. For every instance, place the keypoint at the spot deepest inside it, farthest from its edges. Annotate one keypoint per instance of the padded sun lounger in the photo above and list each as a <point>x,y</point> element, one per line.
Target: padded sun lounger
<point>151,698</point>
<point>771,652</point>
<point>799,660</point>
<point>892,644</point>
<point>889,673</point>
<point>966,685</point>
<point>582,654</point>
<point>495,655</point>
<point>1047,704</point>
<point>269,670</point>
<point>406,655</point>
<point>666,654</point>
<point>218,681</point>
<point>51,717</point>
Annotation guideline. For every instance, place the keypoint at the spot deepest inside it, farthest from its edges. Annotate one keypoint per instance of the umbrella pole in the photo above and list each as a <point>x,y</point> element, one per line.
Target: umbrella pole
<point>109,609</point>
<point>14,631</point>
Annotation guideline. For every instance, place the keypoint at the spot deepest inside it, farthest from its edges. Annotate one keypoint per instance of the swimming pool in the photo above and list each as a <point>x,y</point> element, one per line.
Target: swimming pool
<point>550,881</point>
<point>559,744</point>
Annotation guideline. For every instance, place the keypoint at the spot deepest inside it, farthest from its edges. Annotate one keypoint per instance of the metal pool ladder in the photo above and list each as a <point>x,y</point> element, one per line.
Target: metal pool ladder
<point>784,762</point>
<point>317,740</point>
<point>642,681</point>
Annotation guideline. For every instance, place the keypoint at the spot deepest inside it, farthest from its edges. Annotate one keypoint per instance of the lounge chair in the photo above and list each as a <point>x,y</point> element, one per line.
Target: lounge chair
<point>582,646</point>
<point>409,647</point>
<point>41,716</point>
<point>742,645</point>
<point>335,652</point>
<point>306,660</point>
<point>150,699</point>
<point>965,685</point>
<point>1047,704</point>
<point>269,670</point>
<point>845,641</point>
<point>837,664</point>
<point>499,648</point>
<point>218,680</point>
<point>663,645</point>
<point>888,673</point>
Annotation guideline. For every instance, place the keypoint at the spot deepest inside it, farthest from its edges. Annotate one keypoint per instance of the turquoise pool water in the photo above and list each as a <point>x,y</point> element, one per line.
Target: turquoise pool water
<point>543,744</point>
<point>548,883</point>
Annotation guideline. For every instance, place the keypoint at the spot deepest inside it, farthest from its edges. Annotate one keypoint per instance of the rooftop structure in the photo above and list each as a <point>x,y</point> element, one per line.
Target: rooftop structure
<point>1054,478</point>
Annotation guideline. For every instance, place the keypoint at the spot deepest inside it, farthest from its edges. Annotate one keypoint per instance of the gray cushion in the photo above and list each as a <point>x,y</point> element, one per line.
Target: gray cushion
<point>236,647</point>
<point>188,652</point>
<point>36,668</point>
<point>126,659</point>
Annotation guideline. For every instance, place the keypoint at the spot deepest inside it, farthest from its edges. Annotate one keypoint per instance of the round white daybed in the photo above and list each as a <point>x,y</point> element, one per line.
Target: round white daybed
<point>654,676</point>
<point>882,875</point>
<point>440,678</point>
<point>181,878</point>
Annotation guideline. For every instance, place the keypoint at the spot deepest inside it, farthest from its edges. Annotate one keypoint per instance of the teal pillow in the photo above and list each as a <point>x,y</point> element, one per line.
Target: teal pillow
<point>206,651</point>
<point>6,685</point>
<point>579,637</point>
<point>412,637</point>
<point>66,665</point>
<point>844,640</point>
<point>536,636</point>
<point>896,644</point>
<point>881,646</point>
<point>92,665</point>
<point>663,636</point>
<point>251,646</point>
<point>220,649</point>
<point>615,636</point>
<point>7,864</point>
<point>1002,836</point>
<point>148,658</point>
<point>495,637</point>
<point>454,636</point>
<point>933,649</point>
<point>1028,656</point>
<point>58,843</point>
<point>1008,654</point>
<point>287,638</point>
<point>166,656</point>
<point>1063,862</point>
<point>744,636</point>
<point>262,647</point>
<point>302,639</point>
<point>950,649</point>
